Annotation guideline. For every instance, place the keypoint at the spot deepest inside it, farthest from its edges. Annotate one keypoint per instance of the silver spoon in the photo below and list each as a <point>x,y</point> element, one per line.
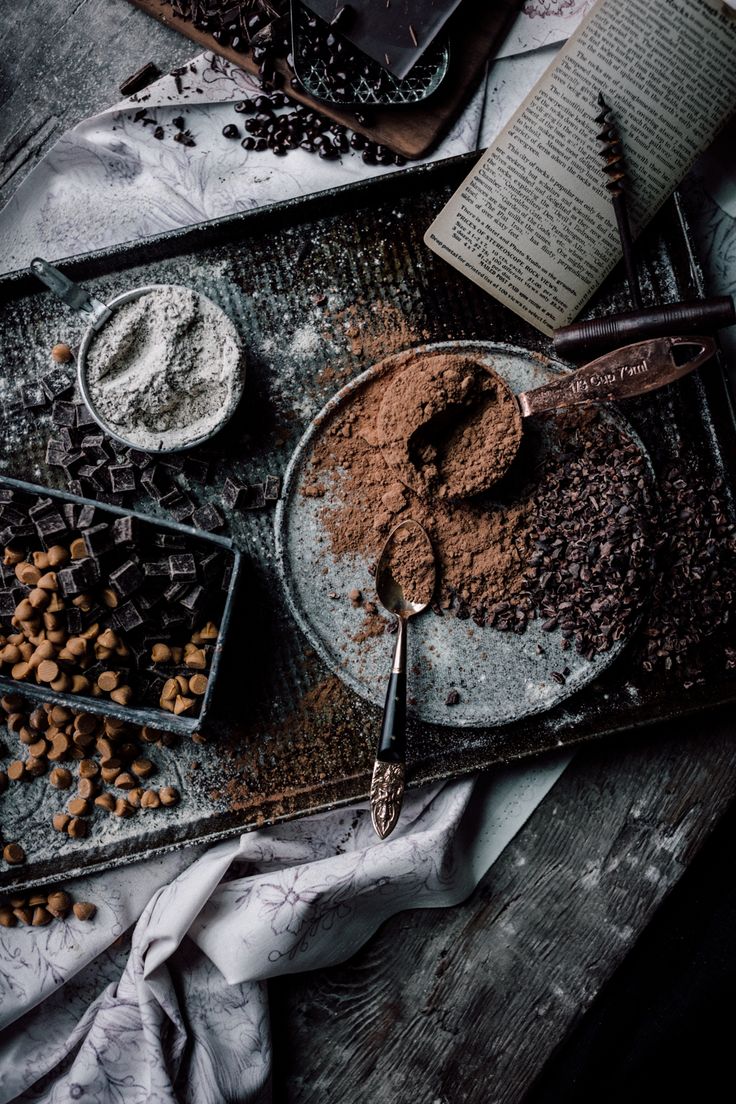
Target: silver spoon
<point>389,769</point>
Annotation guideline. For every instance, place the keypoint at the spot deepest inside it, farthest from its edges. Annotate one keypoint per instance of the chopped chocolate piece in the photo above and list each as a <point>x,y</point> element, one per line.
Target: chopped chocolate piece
<point>256,497</point>
<point>74,620</point>
<point>78,577</point>
<point>94,446</point>
<point>209,566</point>
<point>156,569</point>
<point>125,530</point>
<point>32,395</point>
<point>64,413</point>
<point>158,133</point>
<point>175,591</point>
<point>174,461</point>
<point>122,478</point>
<point>156,482</point>
<point>208,518</point>
<point>51,528</point>
<point>182,567</point>
<point>9,599</point>
<point>56,383</point>
<point>453,698</point>
<point>128,617</point>
<point>234,495</point>
<point>272,488</point>
<point>97,539</point>
<point>174,542</point>
<point>86,517</point>
<point>55,453</point>
<point>75,487</point>
<point>179,505</point>
<point>127,579</point>
<point>139,80</point>
<point>84,417</point>
<point>73,461</point>
<point>193,600</point>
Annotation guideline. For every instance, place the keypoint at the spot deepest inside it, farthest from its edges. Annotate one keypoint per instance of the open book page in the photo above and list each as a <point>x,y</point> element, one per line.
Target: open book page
<point>533,223</point>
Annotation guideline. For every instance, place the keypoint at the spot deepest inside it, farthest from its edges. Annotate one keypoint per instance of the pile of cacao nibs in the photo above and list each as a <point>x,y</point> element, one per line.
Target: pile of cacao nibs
<point>590,545</point>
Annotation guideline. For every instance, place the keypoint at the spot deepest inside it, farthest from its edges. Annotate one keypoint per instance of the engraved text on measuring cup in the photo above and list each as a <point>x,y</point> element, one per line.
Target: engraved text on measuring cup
<point>600,380</point>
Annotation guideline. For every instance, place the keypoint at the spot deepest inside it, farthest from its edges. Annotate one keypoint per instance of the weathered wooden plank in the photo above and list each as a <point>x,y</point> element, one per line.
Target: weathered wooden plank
<point>63,61</point>
<point>466,1004</point>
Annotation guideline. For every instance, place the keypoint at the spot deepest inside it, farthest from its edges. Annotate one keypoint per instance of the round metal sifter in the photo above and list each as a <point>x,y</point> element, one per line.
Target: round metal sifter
<point>501,676</point>
<point>97,314</point>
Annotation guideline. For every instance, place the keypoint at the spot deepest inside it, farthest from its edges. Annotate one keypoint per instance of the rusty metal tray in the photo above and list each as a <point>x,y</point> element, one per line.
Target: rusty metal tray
<point>321,288</point>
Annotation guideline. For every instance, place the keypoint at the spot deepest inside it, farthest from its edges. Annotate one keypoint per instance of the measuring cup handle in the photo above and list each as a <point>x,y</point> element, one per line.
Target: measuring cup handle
<point>621,374</point>
<point>75,296</point>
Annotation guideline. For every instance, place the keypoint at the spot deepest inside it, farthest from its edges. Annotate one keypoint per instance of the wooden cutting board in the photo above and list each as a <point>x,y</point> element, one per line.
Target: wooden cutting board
<point>409,130</point>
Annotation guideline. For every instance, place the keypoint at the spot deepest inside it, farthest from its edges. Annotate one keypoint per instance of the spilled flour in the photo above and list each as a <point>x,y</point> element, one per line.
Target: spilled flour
<point>166,369</point>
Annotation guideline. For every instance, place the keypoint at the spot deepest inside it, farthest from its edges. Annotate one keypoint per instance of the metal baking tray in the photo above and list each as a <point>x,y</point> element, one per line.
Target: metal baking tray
<point>137,715</point>
<point>320,289</point>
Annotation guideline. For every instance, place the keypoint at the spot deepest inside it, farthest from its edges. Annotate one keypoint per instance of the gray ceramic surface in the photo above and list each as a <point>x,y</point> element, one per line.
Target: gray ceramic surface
<point>501,676</point>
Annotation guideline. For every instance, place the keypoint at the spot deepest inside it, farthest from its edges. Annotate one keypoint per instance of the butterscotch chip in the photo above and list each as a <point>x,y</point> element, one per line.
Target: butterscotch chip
<point>27,736</point>
<point>35,767</point>
<point>56,604</point>
<point>7,917</point>
<point>142,767</point>
<point>16,770</point>
<point>59,747</point>
<point>38,748</point>
<point>78,549</point>
<point>182,704</point>
<point>108,680</point>
<point>84,602</point>
<point>61,684</point>
<point>61,778</point>
<point>84,910</point>
<point>150,799</point>
<point>80,684</point>
<point>24,611</point>
<point>83,741</point>
<point>41,916</point>
<point>161,653</point>
<point>105,801</point>
<point>62,353</point>
<point>196,659</point>
<point>48,581</point>
<point>107,639</point>
<point>115,725</point>
<point>168,795</point>
<point>20,670</point>
<point>170,690</point>
<point>87,788</point>
<point>59,903</point>
<point>209,632</point>
<point>11,653</point>
<point>60,821</point>
<point>39,598</point>
<point>198,685</point>
<point>91,632</point>
<point>13,556</point>
<point>183,684</point>
<point>14,854</point>
<point>123,808</point>
<point>125,781</point>
<point>39,719</point>
<point>123,695</point>
<point>37,899</point>
<point>111,770</point>
<point>78,806</point>
<point>58,555</point>
<point>27,574</point>
<point>16,721</point>
<point>134,796</point>
<point>23,914</point>
<point>61,714</point>
<point>76,645</point>
<point>77,828</point>
<point>110,598</point>
<point>177,654</point>
<point>48,670</point>
<point>88,768</point>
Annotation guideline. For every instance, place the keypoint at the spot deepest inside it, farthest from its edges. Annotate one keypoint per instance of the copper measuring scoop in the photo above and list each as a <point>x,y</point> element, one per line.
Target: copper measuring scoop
<point>621,374</point>
<point>389,770</point>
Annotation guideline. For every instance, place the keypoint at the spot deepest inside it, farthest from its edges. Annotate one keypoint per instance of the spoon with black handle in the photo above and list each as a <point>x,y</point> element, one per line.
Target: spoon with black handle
<point>389,770</point>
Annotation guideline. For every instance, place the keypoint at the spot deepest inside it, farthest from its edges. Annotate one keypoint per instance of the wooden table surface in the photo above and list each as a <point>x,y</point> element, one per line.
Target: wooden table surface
<point>450,1005</point>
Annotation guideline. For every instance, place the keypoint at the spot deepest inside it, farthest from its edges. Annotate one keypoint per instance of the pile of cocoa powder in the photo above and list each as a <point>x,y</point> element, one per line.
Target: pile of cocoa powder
<point>565,539</point>
<point>408,560</point>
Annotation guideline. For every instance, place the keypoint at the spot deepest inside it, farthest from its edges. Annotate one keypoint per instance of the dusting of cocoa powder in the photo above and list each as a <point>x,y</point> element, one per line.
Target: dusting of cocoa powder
<point>448,426</point>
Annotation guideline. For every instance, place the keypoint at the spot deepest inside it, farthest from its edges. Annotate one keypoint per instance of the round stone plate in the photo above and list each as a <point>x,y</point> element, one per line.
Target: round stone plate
<point>499,675</point>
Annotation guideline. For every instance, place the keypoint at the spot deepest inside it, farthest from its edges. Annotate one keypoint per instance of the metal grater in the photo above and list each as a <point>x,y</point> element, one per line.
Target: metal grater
<point>423,80</point>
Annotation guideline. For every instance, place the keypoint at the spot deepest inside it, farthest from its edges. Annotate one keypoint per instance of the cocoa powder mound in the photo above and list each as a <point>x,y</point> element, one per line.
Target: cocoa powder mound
<point>479,544</point>
<point>448,426</point>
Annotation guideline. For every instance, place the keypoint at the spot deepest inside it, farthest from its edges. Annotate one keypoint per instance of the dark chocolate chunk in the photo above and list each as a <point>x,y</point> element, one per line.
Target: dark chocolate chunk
<point>156,569</point>
<point>182,567</point>
<point>256,497</point>
<point>122,478</point>
<point>209,566</point>
<point>128,617</point>
<point>64,413</point>
<point>56,453</point>
<point>139,80</point>
<point>172,542</point>
<point>125,530</point>
<point>9,599</point>
<point>32,395</point>
<point>56,383</point>
<point>52,528</point>
<point>272,488</point>
<point>97,539</point>
<point>193,600</point>
<point>197,468</point>
<point>127,579</point>
<point>86,517</point>
<point>156,482</point>
<point>94,446</point>
<point>78,577</point>
<point>73,461</point>
<point>74,620</point>
<point>208,518</point>
<point>234,495</point>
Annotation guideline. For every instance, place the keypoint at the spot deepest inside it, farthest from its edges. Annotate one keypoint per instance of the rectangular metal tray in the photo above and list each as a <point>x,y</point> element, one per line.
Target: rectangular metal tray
<point>321,288</point>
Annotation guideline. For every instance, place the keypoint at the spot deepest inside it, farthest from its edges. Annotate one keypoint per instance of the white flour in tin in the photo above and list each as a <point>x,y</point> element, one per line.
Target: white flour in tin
<point>165,368</point>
